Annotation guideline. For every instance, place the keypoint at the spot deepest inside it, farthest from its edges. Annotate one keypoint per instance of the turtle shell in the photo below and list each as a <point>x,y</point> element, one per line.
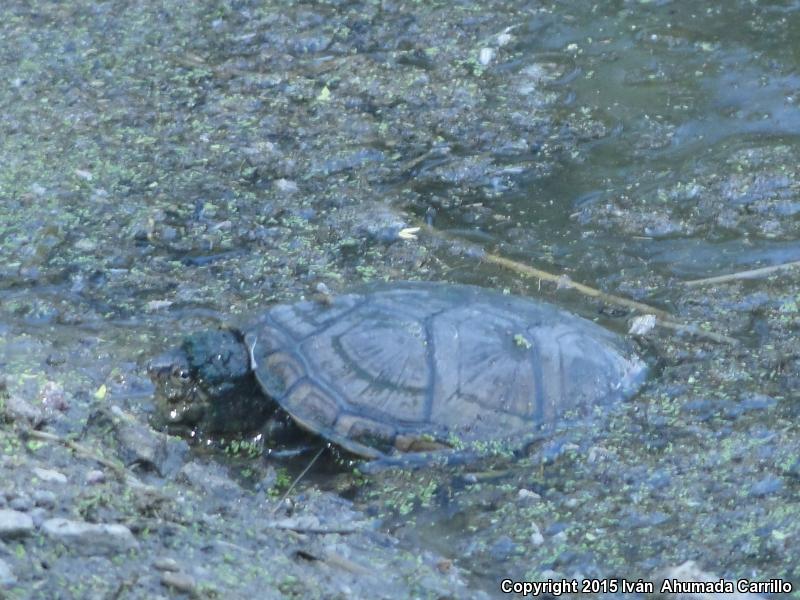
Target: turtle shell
<point>419,366</point>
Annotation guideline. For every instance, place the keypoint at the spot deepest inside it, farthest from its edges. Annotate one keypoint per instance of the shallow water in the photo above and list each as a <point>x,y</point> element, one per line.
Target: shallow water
<point>677,92</point>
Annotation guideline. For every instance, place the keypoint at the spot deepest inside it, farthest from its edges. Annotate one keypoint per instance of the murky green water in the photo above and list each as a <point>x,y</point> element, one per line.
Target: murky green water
<point>676,95</point>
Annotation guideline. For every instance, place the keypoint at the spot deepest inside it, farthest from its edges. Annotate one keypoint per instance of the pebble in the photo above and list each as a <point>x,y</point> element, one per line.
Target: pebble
<point>54,398</point>
<point>527,496</point>
<point>598,454</point>
<point>537,539</point>
<point>90,538</point>
<point>139,444</point>
<point>178,581</point>
<point>49,475</point>
<point>21,502</point>
<point>7,578</point>
<point>505,37</point>
<point>165,563</point>
<point>22,411</point>
<point>14,524</point>
<point>642,325</point>
<point>45,498</point>
<point>209,477</point>
<point>95,476</point>
<point>286,186</point>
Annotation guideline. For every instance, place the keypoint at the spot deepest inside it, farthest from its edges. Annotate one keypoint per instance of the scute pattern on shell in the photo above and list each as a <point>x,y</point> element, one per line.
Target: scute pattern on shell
<point>411,366</point>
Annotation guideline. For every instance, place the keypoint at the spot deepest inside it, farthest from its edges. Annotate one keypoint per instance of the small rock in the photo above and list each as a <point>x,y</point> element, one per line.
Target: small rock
<point>45,498</point>
<point>138,444</point>
<point>165,563</point>
<point>178,581</point>
<point>36,188</point>
<point>85,245</point>
<point>95,476</point>
<point>14,524</point>
<point>84,174</point>
<point>54,398</point>
<point>486,55</point>
<point>22,411</point>
<point>302,522</point>
<point>208,477</point>
<point>505,37</point>
<point>598,454</point>
<point>49,475</point>
<point>168,234</point>
<point>527,496</point>
<point>7,578</point>
<point>90,538</point>
<point>537,539</point>
<point>560,537</point>
<point>642,325</point>
<point>286,186</point>
<point>155,305</point>
<point>21,502</point>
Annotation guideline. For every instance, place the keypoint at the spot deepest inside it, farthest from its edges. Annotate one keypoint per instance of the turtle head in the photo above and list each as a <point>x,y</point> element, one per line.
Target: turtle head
<point>206,385</point>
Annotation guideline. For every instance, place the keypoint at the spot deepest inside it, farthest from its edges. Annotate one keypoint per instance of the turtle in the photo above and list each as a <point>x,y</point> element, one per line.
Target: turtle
<point>397,368</point>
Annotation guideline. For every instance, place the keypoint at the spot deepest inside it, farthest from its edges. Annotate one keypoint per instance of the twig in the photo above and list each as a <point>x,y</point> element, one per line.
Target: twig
<point>749,274</point>
<point>563,281</point>
<point>297,480</point>
<point>337,560</point>
<point>314,530</point>
<point>118,468</point>
<point>334,559</point>
<point>663,318</point>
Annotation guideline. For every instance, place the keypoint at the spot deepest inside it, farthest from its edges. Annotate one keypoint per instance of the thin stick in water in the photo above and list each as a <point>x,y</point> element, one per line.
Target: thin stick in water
<point>749,274</point>
<point>297,479</point>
